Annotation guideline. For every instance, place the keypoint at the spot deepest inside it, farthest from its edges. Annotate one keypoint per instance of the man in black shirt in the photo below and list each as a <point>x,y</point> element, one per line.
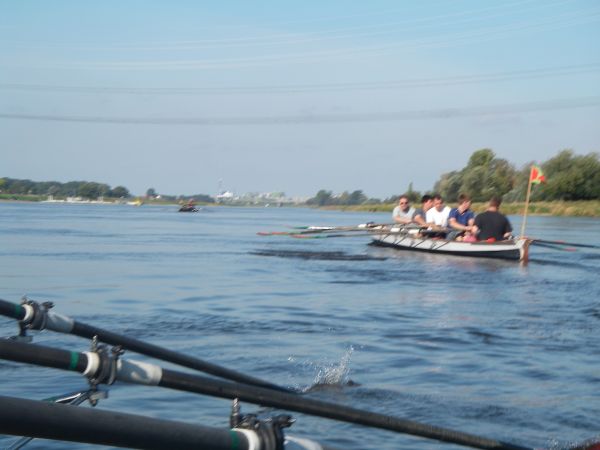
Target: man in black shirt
<point>492,225</point>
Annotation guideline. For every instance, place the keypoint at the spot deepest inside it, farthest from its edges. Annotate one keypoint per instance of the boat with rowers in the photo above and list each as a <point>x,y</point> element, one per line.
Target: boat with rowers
<point>422,239</point>
<point>413,239</point>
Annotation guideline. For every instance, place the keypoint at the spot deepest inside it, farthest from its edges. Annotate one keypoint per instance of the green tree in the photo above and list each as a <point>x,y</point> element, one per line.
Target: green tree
<point>341,199</point>
<point>322,198</point>
<point>519,189</point>
<point>570,177</point>
<point>413,196</point>
<point>357,198</point>
<point>53,189</point>
<point>92,190</point>
<point>483,177</point>
<point>119,192</point>
<point>483,157</point>
<point>449,185</point>
<point>202,198</point>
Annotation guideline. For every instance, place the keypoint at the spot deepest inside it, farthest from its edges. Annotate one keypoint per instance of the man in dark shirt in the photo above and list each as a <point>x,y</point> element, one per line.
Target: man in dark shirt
<point>420,214</point>
<point>492,225</point>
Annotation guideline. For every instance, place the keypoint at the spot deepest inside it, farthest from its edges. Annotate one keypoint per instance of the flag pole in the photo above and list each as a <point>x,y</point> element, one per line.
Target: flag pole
<point>526,203</point>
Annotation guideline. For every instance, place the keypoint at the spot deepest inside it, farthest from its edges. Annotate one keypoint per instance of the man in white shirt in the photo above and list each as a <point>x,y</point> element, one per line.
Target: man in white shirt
<point>439,213</point>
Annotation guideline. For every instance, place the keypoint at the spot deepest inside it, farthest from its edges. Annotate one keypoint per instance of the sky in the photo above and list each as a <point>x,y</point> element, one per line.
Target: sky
<point>190,97</point>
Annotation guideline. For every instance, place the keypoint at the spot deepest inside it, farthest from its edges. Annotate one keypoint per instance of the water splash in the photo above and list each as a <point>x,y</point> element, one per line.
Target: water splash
<point>334,375</point>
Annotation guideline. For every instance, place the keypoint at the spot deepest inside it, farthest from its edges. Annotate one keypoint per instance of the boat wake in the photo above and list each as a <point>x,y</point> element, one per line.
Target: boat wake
<point>323,256</point>
<point>564,264</point>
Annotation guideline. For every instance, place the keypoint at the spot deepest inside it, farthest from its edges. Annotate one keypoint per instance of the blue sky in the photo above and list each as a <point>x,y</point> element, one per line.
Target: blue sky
<point>262,96</point>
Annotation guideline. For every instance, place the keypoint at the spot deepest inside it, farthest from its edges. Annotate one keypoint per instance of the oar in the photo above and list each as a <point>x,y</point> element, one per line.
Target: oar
<point>555,247</point>
<point>361,226</point>
<point>148,374</point>
<point>351,232</point>
<point>38,419</point>
<point>572,244</point>
<point>326,229</point>
<point>324,236</point>
<point>39,318</point>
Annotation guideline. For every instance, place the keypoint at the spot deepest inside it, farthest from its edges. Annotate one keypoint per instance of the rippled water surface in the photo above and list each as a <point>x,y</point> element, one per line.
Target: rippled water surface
<point>488,347</point>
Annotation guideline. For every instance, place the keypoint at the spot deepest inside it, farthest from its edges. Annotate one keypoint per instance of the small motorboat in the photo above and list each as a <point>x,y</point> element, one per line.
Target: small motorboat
<point>188,208</point>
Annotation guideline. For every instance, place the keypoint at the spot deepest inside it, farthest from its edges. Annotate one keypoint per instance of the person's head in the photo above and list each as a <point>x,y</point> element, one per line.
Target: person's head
<point>427,202</point>
<point>404,202</point>
<point>438,202</point>
<point>464,202</point>
<point>495,202</point>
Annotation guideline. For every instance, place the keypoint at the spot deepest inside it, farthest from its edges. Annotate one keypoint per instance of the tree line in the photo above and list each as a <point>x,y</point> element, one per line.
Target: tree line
<point>84,189</point>
<point>568,177</point>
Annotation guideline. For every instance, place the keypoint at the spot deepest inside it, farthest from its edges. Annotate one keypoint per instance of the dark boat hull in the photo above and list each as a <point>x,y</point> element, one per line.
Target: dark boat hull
<point>188,209</point>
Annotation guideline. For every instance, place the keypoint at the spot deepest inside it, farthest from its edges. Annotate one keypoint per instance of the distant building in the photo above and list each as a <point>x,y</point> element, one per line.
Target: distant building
<point>225,196</point>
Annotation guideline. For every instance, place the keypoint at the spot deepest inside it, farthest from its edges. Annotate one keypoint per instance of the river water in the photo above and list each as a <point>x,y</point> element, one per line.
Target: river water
<point>493,348</point>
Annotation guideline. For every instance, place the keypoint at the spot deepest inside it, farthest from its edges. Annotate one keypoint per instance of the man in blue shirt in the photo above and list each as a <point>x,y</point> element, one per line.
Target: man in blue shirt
<point>461,219</point>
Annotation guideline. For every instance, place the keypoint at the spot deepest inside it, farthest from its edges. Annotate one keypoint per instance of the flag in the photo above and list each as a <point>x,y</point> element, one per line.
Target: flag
<point>537,176</point>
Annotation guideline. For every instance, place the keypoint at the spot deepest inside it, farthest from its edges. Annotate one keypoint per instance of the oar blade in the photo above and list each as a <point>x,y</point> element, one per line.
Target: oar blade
<point>555,247</point>
<point>564,243</point>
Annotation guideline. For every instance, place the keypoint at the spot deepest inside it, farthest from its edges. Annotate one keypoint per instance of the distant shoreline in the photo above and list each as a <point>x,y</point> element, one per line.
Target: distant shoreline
<point>587,208</point>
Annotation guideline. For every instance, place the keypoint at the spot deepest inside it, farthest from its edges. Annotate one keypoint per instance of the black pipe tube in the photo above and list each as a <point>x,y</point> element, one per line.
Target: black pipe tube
<point>42,356</point>
<point>203,385</point>
<point>16,311</point>
<point>78,424</point>
<point>11,310</point>
<point>266,397</point>
<point>154,351</point>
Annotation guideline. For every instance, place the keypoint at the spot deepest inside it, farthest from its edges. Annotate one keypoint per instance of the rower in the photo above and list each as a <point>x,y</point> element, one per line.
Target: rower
<point>437,218</point>
<point>421,213</point>
<point>461,219</point>
<point>438,215</point>
<point>492,225</point>
<point>403,213</point>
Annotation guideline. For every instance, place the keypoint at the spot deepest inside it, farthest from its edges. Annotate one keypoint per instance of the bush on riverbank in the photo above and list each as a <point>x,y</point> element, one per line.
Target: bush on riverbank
<point>589,208</point>
<point>22,197</point>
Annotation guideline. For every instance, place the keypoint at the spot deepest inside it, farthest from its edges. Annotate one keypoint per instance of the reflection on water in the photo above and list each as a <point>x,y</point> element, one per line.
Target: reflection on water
<point>484,346</point>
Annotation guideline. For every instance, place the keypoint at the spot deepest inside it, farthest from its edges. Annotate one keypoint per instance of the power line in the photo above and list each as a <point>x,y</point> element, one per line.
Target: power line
<point>467,36</point>
<point>392,84</point>
<point>444,113</point>
<point>357,31</point>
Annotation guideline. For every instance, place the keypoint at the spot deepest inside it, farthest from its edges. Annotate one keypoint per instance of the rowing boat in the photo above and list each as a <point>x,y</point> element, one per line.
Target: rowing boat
<point>513,249</point>
<point>421,239</point>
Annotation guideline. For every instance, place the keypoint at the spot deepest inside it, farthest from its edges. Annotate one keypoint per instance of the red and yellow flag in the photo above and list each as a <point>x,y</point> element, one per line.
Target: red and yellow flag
<point>537,176</point>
